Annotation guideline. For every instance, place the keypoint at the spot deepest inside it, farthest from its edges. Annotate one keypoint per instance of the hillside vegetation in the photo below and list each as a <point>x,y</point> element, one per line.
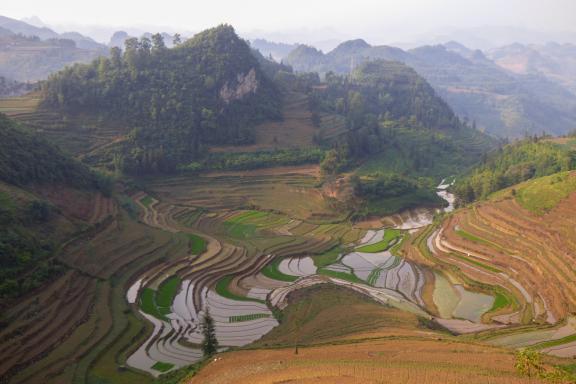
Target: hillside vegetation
<point>208,90</point>
<point>27,159</point>
<point>515,163</point>
<point>31,225</point>
<point>388,106</point>
<point>403,137</point>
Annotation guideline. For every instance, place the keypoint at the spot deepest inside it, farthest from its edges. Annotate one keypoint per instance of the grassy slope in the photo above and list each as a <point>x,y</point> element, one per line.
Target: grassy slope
<point>328,312</point>
<point>543,194</point>
<point>337,345</point>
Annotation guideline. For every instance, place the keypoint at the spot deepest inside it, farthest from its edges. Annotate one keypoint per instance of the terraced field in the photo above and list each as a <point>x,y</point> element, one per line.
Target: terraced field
<point>524,244</point>
<point>80,135</point>
<point>243,245</point>
<point>291,191</point>
<point>255,259</point>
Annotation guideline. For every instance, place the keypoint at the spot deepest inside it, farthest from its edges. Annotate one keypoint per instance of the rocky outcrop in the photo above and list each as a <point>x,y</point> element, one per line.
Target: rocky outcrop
<point>244,84</point>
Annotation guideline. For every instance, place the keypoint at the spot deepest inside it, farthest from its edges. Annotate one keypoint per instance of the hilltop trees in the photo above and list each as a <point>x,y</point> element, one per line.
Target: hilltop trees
<point>207,90</point>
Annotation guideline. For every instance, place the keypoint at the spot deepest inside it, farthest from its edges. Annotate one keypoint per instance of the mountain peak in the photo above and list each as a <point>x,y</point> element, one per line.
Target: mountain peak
<point>351,46</point>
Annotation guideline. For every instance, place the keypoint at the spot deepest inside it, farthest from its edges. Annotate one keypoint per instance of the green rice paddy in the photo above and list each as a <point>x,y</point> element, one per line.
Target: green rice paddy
<point>389,236</point>
<point>253,316</point>
<point>272,271</point>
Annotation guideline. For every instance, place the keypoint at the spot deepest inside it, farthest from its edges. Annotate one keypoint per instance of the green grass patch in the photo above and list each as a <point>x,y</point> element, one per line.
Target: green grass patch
<point>197,244</point>
<point>177,376</point>
<point>162,367</point>
<point>158,303</point>
<point>373,276</point>
<point>247,215</point>
<point>242,226</point>
<point>476,263</point>
<point>543,194</point>
<point>396,248</point>
<point>340,275</point>
<point>166,294</point>
<point>148,304</point>
<point>500,301</point>
<point>554,343</point>
<point>253,316</point>
<point>222,290</point>
<point>389,236</point>
<point>272,271</point>
<point>475,239</point>
<point>570,368</point>
<point>146,201</point>
<point>239,230</point>
<point>327,258</point>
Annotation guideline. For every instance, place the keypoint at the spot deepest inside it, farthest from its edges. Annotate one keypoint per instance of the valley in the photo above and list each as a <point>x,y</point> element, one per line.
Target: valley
<point>344,228</point>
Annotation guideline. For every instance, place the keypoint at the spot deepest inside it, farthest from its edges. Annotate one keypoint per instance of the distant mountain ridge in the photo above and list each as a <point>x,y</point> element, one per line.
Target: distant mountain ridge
<point>29,53</point>
<point>554,61</point>
<point>44,33</point>
<point>499,102</point>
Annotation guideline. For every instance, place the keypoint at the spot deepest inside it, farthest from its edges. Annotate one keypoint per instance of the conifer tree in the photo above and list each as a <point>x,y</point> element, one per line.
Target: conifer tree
<point>210,343</point>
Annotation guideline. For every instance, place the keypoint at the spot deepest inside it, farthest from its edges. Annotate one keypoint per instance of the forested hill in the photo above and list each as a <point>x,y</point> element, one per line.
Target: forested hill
<point>176,101</point>
<point>397,89</point>
<point>390,109</point>
<point>26,159</point>
<point>501,103</point>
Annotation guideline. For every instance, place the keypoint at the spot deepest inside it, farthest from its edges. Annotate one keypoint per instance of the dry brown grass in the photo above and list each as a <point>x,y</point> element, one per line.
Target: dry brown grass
<point>402,360</point>
<point>326,313</point>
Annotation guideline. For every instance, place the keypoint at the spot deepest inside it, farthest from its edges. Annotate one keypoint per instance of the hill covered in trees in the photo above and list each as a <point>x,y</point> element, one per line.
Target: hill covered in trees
<point>401,135</point>
<point>208,90</point>
<point>499,102</point>
<point>388,107</point>
<point>516,163</point>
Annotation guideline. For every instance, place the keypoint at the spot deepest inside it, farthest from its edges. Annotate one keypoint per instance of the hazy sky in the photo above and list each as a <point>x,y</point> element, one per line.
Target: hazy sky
<point>382,20</point>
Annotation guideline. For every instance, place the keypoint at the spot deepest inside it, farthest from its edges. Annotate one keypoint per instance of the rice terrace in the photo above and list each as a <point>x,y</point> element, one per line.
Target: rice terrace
<point>208,209</point>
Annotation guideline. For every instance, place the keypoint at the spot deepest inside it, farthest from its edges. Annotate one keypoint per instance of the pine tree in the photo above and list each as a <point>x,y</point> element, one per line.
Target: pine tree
<point>210,343</point>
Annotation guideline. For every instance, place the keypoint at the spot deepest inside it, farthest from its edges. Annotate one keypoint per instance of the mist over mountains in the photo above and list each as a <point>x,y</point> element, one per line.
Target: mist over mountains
<point>508,90</point>
<point>522,91</point>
